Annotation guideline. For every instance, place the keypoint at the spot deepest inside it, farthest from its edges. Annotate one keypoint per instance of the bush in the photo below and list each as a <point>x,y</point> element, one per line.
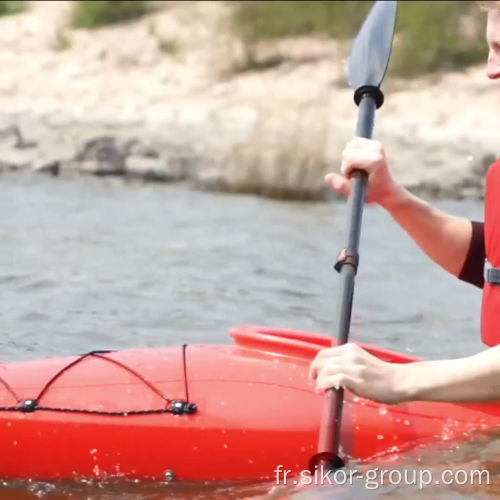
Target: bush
<point>11,7</point>
<point>431,33</point>
<point>93,14</point>
<point>432,37</point>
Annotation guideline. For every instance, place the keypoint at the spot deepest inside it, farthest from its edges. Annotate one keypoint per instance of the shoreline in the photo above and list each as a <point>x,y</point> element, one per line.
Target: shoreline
<point>107,106</point>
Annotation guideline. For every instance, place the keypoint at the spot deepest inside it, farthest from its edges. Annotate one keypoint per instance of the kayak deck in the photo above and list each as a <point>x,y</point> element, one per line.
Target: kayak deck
<point>251,409</point>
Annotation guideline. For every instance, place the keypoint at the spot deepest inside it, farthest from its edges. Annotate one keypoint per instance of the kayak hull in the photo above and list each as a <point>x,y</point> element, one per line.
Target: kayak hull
<point>109,414</point>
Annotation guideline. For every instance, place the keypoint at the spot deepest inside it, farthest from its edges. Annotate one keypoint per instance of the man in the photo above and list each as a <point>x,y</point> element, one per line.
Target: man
<point>456,244</point>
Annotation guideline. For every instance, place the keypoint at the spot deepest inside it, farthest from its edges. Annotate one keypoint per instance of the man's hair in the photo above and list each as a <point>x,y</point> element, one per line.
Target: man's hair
<point>489,4</point>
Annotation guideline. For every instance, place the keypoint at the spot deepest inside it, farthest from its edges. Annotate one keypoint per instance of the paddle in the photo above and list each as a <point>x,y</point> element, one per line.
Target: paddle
<point>368,63</point>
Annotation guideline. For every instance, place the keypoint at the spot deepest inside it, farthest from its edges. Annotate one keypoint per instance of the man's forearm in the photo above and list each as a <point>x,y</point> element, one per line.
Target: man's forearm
<point>443,237</point>
<point>475,378</point>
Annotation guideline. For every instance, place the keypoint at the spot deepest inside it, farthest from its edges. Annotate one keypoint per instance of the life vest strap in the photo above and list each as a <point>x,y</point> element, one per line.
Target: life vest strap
<point>492,275</point>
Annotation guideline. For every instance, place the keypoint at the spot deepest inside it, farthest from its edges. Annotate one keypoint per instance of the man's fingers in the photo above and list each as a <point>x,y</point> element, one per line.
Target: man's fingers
<point>339,183</point>
<point>363,160</point>
<point>321,358</point>
<point>337,381</point>
<point>330,359</point>
<point>363,143</point>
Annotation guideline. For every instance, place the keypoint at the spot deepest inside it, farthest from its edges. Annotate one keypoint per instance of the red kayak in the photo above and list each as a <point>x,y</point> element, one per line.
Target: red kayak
<point>200,412</point>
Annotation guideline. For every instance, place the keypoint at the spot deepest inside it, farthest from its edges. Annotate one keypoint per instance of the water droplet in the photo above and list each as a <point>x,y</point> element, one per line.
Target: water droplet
<point>225,445</point>
<point>380,437</point>
<point>355,399</point>
<point>9,424</point>
<point>250,461</point>
<point>383,410</point>
<point>93,451</point>
<point>407,422</point>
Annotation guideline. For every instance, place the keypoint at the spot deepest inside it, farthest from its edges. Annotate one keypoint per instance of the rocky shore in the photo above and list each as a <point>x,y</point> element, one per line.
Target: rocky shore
<point>159,100</point>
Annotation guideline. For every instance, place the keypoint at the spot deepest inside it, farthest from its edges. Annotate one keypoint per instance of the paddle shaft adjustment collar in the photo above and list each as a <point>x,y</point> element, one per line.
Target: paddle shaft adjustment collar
<point>347,257</point>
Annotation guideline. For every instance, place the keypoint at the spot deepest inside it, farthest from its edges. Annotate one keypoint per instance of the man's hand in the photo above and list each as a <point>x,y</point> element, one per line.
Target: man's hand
<point>367,155</point>
<point>474,378</point>
<point>352,367</point>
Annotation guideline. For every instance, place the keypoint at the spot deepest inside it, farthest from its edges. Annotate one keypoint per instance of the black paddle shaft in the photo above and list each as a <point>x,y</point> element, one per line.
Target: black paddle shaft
<point>329,439</point>
<point>368,63</point>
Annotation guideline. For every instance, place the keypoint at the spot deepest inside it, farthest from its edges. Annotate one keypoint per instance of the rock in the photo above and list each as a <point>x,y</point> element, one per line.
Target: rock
<point>482,166</point>
<point>48,167</point>
<point>11,167</point>
<point>136,148</point>
<point>101,156</point>
<point>210,179</point>
<point>185,165</point>
<point>17,159</point>
<point>13,133</point>
<point>152,169</point>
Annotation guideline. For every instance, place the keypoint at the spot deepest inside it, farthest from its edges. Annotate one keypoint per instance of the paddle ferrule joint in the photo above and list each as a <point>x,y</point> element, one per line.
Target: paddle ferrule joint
<point>374,92</point>
<point>347,257</point>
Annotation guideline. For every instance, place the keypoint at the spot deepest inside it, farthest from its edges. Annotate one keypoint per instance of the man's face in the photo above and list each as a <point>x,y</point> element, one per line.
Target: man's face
<point>493,38</point>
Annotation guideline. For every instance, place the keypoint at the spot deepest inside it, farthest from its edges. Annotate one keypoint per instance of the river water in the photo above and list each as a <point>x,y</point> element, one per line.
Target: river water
<point>95,264</point>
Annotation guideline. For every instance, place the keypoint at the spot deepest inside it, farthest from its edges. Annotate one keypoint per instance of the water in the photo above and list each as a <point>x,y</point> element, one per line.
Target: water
<point>96,264</point>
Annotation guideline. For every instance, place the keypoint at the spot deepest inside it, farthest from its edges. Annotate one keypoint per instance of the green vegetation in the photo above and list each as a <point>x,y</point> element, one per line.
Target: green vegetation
<point>432,35</point>
<point>62,41</point>
<point>93,14</point>
<point>438,35</point>
<point>170,46</point>
<point>8,7</point>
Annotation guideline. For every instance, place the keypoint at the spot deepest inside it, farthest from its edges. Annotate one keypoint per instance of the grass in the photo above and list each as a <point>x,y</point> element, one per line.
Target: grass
<point>286,155</point>
<point>62,41</point>
<point>8,7</point>
<point>432,35</point>
<point>170,46</point>
<point>94,14</point>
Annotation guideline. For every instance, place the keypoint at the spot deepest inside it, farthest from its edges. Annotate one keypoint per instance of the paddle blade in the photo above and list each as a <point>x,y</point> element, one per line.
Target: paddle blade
<point>371,49</point>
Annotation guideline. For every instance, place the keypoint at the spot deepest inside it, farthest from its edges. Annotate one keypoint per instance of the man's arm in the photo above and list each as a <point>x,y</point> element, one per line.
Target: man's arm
<point>475,378</point>
<point>444,238</point>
